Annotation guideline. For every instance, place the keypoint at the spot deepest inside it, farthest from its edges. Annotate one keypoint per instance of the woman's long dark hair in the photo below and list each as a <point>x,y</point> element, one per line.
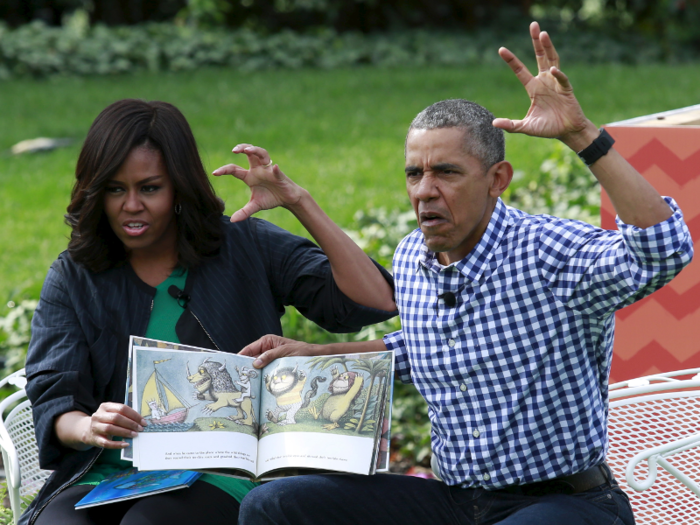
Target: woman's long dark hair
<point>121,127</point>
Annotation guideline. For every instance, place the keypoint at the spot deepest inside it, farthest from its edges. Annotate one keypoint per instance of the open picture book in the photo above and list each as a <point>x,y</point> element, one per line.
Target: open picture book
<point>212,411</point>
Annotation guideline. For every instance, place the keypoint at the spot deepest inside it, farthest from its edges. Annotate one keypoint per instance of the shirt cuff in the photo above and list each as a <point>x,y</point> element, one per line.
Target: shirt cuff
<point>395,342</point>
<point>660,241</point>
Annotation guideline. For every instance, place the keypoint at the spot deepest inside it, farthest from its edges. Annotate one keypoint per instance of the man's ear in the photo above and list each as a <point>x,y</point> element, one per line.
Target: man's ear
<point>502,173</point>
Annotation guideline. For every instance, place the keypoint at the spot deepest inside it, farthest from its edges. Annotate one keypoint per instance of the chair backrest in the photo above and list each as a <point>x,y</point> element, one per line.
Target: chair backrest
<point>655,422</point>
<point>19,448</point>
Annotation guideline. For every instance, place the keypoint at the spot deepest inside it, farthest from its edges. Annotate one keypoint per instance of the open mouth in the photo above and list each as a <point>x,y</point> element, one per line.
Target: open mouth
<point>429,219</point>
<point>135,227</point>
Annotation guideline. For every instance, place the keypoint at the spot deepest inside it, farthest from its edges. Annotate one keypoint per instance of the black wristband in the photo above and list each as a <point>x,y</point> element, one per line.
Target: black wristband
<point>599,147</point>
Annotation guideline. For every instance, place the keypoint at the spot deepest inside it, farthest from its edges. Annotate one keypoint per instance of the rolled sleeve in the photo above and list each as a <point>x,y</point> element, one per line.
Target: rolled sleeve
<point>669,240</point>
<point>395,342</point>
<point>599,271</point>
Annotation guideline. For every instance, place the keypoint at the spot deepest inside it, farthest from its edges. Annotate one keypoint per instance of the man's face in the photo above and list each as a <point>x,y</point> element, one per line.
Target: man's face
<point>450,191</point>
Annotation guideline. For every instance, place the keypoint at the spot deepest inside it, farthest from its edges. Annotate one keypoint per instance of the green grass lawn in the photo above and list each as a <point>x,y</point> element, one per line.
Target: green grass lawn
<point>338,133</point>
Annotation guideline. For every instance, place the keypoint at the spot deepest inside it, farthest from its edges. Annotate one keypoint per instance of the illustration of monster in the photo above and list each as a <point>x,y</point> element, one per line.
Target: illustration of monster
<point>212,382</point>
<point>344,388</point>
<point>287,384</point>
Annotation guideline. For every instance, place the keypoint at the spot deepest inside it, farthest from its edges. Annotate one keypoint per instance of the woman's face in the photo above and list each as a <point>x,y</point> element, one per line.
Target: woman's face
<point>139,204</point>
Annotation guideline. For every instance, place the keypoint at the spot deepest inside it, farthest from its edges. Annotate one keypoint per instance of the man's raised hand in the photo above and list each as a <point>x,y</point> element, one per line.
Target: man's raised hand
<point>554,111</point>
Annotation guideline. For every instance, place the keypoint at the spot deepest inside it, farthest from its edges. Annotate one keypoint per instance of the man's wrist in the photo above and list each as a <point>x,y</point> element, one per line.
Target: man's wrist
<point>598,148</point>
<point>580,140</point>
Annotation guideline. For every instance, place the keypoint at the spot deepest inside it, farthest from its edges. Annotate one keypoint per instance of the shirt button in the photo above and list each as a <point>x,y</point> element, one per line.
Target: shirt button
<point>463,387</point>
<point>476,433</point>
<point>451,342</point>
<point>486,477</point>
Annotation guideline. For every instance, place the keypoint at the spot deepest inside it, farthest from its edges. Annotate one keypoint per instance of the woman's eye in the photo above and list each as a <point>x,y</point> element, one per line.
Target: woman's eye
<point>113,190</point>
<point>149,188</point>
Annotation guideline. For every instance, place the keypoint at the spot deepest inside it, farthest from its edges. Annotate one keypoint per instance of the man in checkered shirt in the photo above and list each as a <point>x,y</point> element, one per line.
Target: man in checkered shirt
<point>507,327</point>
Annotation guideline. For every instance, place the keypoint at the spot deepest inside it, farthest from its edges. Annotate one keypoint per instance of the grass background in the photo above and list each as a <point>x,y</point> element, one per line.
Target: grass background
<point>338,133</point>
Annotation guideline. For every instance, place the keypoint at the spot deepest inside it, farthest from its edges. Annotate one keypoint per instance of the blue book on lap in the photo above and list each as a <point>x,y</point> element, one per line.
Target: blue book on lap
<point>130,484</point>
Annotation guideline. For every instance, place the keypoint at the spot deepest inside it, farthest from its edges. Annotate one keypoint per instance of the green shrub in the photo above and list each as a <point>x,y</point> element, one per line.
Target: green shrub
<point>564,187</point>
<point>15,332</point>
<point>77,48</point>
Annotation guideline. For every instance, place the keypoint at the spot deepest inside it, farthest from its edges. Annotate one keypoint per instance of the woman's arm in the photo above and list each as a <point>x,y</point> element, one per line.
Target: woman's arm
<point>353,271</point>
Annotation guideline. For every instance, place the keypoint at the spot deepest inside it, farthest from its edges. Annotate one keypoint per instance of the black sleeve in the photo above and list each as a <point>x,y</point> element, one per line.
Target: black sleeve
<point>300,275</point>
<point>58,368</point>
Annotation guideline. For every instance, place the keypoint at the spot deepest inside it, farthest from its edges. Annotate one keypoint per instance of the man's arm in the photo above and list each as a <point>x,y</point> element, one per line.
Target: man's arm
<point>353,271</point>
<point>270,347</point>
<point>555,113</point>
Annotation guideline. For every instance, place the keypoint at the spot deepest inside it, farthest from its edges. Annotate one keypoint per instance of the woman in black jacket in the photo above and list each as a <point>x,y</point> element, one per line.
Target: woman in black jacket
<point>145,218</point>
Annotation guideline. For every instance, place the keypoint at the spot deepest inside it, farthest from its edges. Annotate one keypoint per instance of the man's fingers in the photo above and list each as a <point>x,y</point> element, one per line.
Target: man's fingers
<point>516,65</point>
<point>549,50</point>
<point>561,78</point>
<point>511,126</point>
<point>537,45</point>
<point>258,347</point>
<point>269,356</point>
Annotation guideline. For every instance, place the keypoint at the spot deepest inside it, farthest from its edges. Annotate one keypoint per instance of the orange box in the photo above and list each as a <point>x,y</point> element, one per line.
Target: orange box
<point>661,333</point>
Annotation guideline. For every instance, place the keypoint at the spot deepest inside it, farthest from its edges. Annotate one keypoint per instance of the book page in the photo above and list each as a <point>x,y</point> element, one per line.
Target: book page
<point>202,409</point>
<point>127,454</point>
<point>324,412</point>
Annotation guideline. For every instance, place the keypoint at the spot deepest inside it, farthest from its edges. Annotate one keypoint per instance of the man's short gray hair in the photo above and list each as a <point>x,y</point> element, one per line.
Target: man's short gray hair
<point>481,139</point>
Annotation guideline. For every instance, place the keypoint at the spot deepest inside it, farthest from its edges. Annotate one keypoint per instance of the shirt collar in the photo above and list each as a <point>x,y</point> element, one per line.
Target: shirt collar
<point>473,265</point>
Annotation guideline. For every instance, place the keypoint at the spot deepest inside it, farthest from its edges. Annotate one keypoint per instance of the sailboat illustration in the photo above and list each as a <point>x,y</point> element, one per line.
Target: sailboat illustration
<point>159,402</point>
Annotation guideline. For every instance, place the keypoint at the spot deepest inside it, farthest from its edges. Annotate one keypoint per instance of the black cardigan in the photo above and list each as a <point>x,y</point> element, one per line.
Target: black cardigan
<point>80,330</point>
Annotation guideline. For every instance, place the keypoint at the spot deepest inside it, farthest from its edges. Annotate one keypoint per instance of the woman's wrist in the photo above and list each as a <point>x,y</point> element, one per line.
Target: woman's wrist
<point>72,429</point>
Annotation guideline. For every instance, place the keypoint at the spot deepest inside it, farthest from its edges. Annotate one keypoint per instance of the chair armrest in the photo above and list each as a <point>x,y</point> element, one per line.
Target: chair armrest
<point>656,456</point>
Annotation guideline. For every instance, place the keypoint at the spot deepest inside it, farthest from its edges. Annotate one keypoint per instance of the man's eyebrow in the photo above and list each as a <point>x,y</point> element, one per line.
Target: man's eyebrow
<point>409,169</point>
<point>445,166</point>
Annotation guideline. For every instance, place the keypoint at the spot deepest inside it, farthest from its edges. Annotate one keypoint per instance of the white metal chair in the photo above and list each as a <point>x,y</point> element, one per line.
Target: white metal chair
<point>19,450</point>
<point>654,431</point>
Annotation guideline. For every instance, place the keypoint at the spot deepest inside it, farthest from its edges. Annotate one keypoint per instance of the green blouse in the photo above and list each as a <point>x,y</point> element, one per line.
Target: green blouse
<point>161,325</point>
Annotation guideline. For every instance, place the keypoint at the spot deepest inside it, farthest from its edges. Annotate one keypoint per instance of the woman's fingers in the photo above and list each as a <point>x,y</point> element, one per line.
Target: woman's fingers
<point>231,169</point>
<point>257,157</point>
<point>114,420</point>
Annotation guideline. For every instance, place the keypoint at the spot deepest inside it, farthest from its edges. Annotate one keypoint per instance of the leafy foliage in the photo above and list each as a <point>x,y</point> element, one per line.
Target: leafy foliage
<point>6,516</point>
<point>564,187</point>
<point>78,48</point>
<point>15,332</point>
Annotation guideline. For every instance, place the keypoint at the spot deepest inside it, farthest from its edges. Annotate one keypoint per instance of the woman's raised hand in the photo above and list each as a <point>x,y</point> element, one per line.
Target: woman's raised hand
<point>269,187</point>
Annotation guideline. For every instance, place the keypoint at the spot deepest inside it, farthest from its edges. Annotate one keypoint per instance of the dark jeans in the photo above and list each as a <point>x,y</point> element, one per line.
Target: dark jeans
<point>388,499</point>
<point>202,503</point>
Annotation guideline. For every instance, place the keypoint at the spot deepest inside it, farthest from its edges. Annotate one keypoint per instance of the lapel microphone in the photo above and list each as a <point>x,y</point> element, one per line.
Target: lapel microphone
<point>449,298</point>
<point>181,297</point>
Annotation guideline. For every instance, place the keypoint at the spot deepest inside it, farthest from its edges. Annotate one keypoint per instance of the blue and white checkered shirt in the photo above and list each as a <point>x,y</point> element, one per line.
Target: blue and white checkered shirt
<point>516,374</point>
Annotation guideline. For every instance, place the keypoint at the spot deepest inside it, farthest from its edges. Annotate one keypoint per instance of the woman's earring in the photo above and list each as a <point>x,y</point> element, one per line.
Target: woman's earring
<point>178,209</point>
